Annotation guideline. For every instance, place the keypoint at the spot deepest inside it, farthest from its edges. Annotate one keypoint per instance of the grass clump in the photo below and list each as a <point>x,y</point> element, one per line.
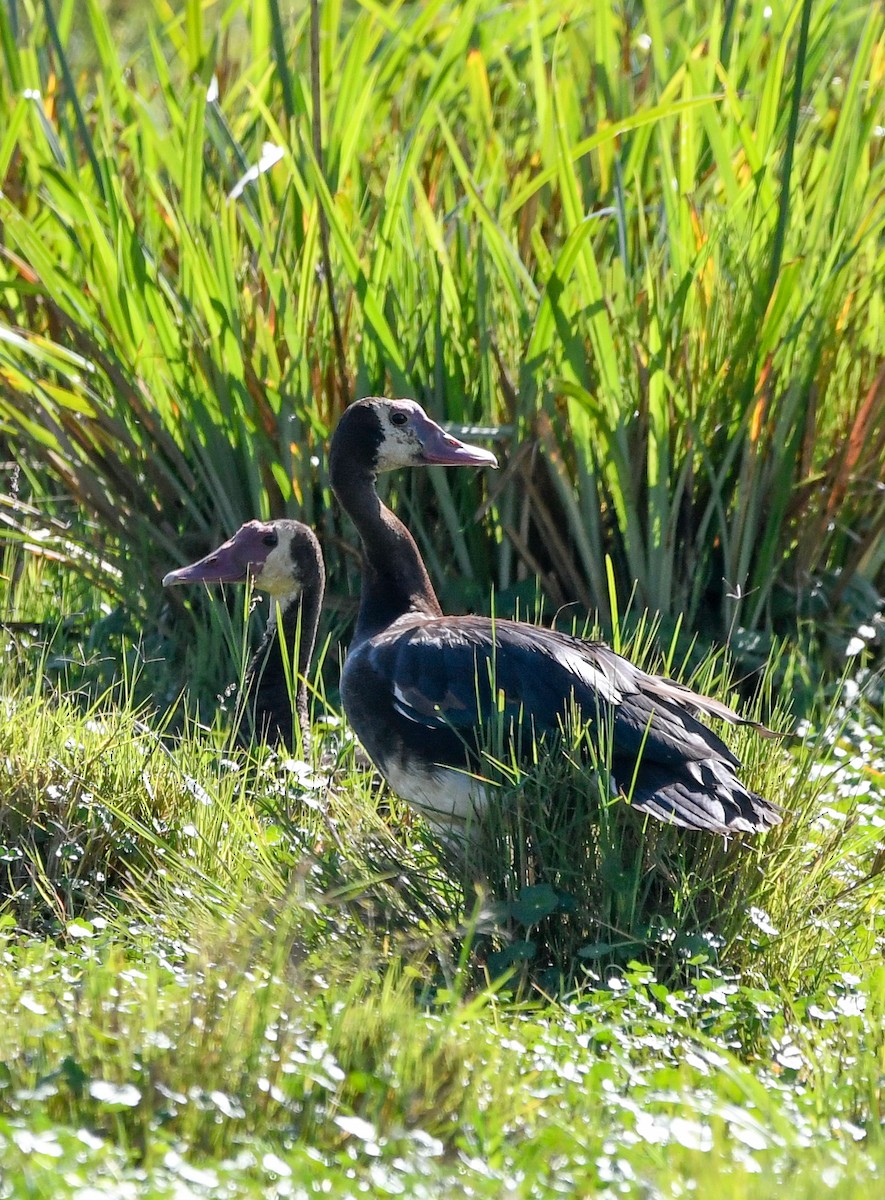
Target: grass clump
<point>577,881</point>
<point>228,1061</point>
<point>66,777</point>
<point>186,1031</point>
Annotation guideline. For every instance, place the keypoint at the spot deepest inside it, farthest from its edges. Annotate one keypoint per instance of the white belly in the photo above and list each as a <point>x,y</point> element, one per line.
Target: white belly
<point>448,798</point>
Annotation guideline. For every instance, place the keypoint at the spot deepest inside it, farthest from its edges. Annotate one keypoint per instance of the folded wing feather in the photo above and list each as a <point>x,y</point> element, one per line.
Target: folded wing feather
<point>456,675</point>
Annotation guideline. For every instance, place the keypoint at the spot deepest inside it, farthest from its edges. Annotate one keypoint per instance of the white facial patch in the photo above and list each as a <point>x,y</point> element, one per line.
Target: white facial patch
<point>400,447</point>
<point>400,444</point>
<point>277,576</point>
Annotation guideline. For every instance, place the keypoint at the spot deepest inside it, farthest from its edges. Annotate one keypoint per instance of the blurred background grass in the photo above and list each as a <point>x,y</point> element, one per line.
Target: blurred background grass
<point>644,241</point>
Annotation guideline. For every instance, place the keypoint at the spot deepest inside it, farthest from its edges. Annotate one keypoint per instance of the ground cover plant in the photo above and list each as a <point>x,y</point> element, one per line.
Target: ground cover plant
<point>642,247</point>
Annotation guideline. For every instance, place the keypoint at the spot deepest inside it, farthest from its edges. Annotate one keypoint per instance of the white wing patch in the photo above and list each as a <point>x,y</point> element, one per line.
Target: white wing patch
<point>404,706</point>
<point>578,665</point>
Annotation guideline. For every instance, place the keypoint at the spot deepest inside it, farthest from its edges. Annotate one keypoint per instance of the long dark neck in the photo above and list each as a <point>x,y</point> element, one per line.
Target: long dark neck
<point>395,580</point>
<point>267,676</point>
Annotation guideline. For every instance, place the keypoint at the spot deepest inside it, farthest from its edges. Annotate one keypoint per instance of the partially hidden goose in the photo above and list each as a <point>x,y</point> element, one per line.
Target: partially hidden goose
<point>420,688</point>
<point>284,559</point>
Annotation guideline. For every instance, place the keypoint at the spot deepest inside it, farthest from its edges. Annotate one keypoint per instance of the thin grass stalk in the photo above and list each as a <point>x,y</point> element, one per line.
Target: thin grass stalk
<point>317,134</point>
<point>783,215</point>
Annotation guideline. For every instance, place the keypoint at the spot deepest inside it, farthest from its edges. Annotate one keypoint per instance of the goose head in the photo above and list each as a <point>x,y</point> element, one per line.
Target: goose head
<point>377,434</point>
<point>281,558</point>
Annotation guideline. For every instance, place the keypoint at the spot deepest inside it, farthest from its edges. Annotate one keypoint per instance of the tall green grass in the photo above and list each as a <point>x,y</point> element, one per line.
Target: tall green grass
<point>645,241</point>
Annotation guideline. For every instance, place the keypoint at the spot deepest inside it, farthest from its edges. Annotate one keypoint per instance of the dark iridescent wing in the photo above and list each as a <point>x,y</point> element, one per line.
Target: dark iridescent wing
<point>463,673</point>
<point>454,673</point>
<point>446,680</point>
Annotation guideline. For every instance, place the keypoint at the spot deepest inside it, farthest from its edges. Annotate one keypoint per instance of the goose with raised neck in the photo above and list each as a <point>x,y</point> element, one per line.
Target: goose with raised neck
<point>420,688</point>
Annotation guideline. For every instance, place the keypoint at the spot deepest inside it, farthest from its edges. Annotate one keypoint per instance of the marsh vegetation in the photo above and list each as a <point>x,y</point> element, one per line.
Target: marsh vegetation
<point>642,245</point>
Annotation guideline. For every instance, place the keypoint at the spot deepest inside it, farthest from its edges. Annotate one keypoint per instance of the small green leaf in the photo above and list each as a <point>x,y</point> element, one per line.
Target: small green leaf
<point>80,929</point>
<point>534,904</point>
<point>596,950</point>
<point>519,952</point>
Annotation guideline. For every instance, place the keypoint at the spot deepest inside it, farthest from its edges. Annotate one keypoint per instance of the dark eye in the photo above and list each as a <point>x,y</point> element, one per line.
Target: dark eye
<point>398,418</point>
<point>270,539</point>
